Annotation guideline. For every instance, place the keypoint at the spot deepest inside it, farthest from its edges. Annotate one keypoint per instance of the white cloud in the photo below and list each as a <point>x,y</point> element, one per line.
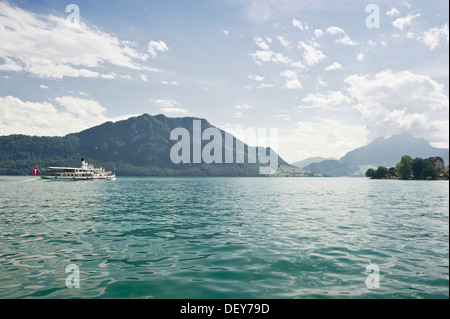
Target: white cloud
<point>264,85</point>
<point>44,46</point>
<point>283,41</point>
<point>173,110</point>
<point>266,55</point>
<point>165,103</point>
<point>335,30</point>
<point>169,106</point>
<point>259,86</point>
<point>169,83</point>
<point>157,46</point>
<point>439,133</point>
<point>433,36</point>
<point>242,106</point>
<point>225,31</point>
<point>284,117</point>
<point>345,40</point>
<point>68,115</point>
<point>143,77</point>
<point>393,12</point>
<point>298,65</point>
<point>318,33</point>
<point>314,139</point>
<point>306,107</point>
<point>292,81</point>
<point>10,65</point>
<point>405,120</point>
<point>406,4</point>
<point>311,54</point>
<point>394,102</point>
<point>261,43</point>
<point>125,77</point>
<point>321,82</point>
<point>261,11</point>
<point>334,66</point>
<point>331,98</point>
<point>80,107</point>
<point>42,86</point>
<point>278,57</point>
<point>410,35</point>
<point>299,24</point>
<point>255,77</point>
<point>401,23</point>
<point>360,57</point>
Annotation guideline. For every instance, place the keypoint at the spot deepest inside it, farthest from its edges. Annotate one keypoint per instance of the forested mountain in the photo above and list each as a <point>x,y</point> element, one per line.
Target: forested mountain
<point>137,146</point>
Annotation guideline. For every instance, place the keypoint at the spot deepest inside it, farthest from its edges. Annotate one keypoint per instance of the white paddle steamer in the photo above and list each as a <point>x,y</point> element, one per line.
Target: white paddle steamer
<point>85,172</point>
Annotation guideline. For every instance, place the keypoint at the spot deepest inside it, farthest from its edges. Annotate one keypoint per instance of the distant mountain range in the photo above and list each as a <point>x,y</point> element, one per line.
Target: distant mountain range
<point>140,146</point>
<point>381,152</point>
<point>310,160</point>
<point>137,146</point>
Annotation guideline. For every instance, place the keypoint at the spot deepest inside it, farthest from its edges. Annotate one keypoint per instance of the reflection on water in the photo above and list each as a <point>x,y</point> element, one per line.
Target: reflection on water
<point>224,237</point>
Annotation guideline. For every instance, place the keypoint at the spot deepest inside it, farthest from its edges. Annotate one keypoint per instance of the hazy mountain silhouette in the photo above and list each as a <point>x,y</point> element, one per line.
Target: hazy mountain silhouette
<point>310,160</point>
<point>381,152</point>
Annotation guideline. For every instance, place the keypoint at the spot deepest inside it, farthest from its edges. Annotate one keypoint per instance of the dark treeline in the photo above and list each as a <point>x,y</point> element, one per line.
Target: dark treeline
<point>409,168</point>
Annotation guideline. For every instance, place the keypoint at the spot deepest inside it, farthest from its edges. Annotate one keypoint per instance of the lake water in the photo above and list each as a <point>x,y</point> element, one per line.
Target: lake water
<point>224,238</point>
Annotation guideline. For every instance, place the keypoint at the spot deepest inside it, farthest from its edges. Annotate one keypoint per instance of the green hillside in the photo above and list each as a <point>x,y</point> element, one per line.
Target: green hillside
<point>138,146</point>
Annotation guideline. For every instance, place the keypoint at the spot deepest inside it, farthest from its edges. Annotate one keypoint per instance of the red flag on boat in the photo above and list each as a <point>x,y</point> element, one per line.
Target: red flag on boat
<point>35,170</point>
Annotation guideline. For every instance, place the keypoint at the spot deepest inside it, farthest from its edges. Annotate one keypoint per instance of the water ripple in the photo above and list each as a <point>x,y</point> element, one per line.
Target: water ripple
<point>224,238</point>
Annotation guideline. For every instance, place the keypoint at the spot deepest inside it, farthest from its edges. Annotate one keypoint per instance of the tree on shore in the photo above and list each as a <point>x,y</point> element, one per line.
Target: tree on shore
<point>379,173</point>
<point>418,164</point>
<point>404,167</point>
<point>417,168</point>
<point>429,172</point>
<point>370,172</point>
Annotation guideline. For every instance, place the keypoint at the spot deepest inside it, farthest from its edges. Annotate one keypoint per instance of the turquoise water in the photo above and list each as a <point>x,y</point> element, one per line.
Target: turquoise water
<point>224,238</point>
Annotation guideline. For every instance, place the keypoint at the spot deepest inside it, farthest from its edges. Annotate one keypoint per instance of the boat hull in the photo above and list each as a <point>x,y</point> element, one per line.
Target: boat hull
<point>84,178</point>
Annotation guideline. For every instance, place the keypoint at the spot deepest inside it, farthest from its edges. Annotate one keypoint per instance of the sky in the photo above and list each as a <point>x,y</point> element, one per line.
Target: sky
<point>330,76</point>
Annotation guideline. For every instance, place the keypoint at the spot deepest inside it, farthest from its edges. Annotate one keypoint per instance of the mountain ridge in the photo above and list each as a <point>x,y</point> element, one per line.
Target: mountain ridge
<point>380,152</point>
<point>139,145</point>
<point>310,160</point>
